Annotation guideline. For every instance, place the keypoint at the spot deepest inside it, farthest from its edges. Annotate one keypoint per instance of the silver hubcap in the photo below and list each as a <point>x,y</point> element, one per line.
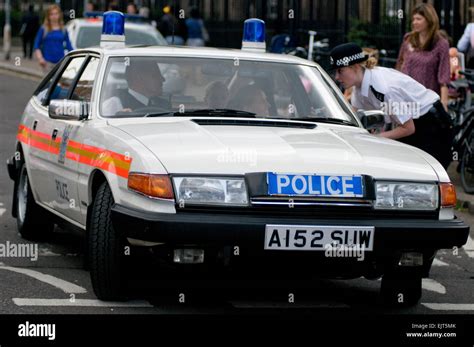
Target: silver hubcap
<point>22,195</point>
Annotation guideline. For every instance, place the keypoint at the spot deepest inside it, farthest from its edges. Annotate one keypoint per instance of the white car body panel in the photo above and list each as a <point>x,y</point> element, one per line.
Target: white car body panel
<point>186,147</point>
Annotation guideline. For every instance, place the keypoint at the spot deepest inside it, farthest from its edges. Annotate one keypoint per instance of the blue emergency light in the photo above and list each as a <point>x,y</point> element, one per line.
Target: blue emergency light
<point>114,23</point>
<point>113,29</point>
<point>254,35</point>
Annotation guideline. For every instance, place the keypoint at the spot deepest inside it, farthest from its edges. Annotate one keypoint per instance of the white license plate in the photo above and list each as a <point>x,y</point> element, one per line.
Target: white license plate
<point>317,237</point>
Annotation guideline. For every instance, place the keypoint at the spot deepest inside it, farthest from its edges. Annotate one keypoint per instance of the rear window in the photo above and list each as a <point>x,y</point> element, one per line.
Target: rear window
<point>90,36</point>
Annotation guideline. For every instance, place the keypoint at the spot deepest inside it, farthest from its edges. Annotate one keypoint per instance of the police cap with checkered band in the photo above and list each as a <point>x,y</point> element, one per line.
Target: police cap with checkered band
<point>347,54</point>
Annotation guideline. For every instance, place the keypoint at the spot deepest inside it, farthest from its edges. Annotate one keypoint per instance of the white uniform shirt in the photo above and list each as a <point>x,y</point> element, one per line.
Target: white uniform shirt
<point>114,105</point>
<point>397,94</point>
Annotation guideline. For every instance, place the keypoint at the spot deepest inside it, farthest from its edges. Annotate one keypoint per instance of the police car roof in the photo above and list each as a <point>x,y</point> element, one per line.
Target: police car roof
<point>200,52</point>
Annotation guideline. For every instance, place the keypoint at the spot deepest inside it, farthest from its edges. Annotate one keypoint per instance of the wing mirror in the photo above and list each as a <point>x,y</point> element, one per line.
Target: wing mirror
<point>372,119</point>
<point>68,109</point>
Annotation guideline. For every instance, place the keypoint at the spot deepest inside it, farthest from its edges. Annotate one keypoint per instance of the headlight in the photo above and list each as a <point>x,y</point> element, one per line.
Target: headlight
<point>406,196</point>
<point>211,191</point>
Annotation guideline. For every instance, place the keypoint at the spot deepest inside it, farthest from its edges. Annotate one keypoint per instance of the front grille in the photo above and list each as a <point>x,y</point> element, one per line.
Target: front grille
<point>322,211</point>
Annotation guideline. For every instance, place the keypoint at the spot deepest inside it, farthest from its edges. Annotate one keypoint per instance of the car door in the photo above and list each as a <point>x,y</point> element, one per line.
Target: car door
<point>35,141</point>
<point>55,191</point>
<point>64,158</point>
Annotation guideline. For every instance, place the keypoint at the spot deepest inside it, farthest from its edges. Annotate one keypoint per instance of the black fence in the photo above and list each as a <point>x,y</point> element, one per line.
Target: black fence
<point>371,23</point>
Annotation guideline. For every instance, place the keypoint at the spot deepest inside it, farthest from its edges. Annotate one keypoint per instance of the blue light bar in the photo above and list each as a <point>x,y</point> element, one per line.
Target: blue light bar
<point>93,14</point>
<point>254,30</point>
<point>114,23</point>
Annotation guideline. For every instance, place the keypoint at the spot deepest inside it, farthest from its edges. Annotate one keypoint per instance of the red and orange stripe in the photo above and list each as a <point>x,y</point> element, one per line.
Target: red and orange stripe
<point>101,158</point>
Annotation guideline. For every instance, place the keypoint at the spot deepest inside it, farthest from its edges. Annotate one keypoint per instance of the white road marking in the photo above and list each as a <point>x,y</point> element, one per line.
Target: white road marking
<point>437,262</point>
<point>238,304</point>
<point>432,285</point>
<point>65,286</point>
<point>469,247</point>
<point>78,302</point>
<point>46,252</point>
<point>449,307</point>
<point>2,210</point>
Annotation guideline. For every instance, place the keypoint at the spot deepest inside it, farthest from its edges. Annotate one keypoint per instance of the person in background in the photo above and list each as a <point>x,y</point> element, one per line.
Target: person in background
<point>454,63</point>
<point>197,33</point>
<point>29,27</point>
<point>113,7</point>
<point>52,39</point>
<point>90,7</point>
<point>424,54</point>
<point>466,43</point>
<point>132,8</point>
<point>173,29</point>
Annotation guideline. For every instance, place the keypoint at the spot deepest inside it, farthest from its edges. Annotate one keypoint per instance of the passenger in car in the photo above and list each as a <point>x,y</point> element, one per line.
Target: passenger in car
<point>251,98</point>
<point>217,95</point>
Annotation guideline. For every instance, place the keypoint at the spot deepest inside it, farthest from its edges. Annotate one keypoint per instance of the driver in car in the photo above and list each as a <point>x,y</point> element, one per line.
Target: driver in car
<point>145,88</point>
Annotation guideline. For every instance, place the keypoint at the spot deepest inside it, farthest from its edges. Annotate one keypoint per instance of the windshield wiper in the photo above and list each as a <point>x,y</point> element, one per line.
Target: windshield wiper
<point>159,114</point>
<point>327,120</point>
<point>218,112</point>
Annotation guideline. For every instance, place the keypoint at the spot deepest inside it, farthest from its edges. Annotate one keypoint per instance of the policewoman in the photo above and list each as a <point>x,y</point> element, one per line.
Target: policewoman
<point>417,113</point>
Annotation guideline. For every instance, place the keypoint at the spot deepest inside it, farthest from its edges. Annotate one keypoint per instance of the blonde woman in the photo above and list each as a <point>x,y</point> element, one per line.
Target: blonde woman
<point>52,39</point>
<point>371,52</point>
<point>420,118</point>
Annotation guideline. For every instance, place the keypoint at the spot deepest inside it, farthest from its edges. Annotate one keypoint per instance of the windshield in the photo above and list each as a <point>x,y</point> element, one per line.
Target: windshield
<point>89,36</point>
<point>171,86</point>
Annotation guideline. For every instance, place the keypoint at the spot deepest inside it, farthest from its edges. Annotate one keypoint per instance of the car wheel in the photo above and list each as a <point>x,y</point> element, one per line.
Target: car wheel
<point>401,290</point>
<point>106,249</point>
<point>30,217</point>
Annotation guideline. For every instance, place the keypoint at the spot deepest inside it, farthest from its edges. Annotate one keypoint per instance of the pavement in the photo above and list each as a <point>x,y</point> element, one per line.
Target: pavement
<point>20,65</point>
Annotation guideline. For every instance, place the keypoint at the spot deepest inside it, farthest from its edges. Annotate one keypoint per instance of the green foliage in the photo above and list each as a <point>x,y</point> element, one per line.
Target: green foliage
<point>358,32</point>
<point>383,35</point>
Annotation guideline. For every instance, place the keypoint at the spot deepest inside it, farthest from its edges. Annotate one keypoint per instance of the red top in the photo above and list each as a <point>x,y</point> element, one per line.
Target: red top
<point>430,68</point>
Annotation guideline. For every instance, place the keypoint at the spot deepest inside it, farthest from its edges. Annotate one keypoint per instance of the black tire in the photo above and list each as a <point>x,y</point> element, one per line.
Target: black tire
<point>106,250</point>
<point>401,290</point>
<point>33,222</point>
<point>467,172</point>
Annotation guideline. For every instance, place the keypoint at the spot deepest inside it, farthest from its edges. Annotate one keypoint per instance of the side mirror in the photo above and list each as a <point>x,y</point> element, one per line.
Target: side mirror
<point>68,109</point>
<point>373,119</point>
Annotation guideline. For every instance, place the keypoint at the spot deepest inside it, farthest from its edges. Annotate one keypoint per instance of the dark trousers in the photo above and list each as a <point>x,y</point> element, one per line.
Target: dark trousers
<point>433,134</point>
<point>28,42</point>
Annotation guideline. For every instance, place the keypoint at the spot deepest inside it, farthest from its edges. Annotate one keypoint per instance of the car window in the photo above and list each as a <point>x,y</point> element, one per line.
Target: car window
<point>65,81</point>
<point>42,91</point>
<point>83,89</point>
<point>137,86</point>
<point>89,36</point>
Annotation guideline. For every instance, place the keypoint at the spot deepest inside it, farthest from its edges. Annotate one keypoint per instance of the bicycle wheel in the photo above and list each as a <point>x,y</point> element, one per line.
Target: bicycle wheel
<point>467,165</point>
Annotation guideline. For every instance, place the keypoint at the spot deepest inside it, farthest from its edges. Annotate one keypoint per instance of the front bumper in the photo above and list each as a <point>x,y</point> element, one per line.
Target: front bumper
<point>185,228</point>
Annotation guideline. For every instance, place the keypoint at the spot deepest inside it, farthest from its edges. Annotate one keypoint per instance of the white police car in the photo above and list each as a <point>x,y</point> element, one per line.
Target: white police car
<point>85,32</point>
<point>255,165</point>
